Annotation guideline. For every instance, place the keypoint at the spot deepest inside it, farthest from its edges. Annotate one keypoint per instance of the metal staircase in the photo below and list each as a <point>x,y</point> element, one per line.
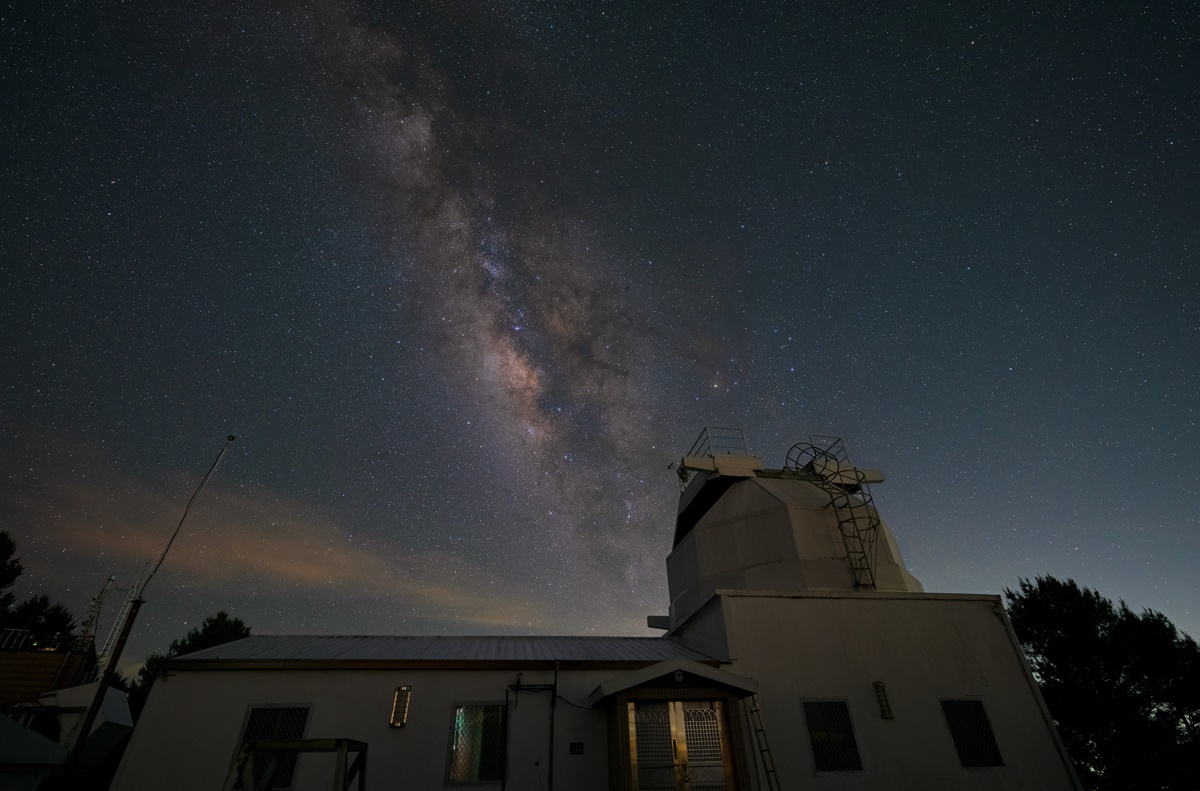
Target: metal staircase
<point>760,741</point>
<point>849,498</point>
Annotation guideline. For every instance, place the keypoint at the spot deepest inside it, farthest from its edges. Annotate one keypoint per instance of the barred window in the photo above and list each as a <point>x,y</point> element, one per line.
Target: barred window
<point>274,770</point>
<point>832,736</point>
<point>477,743</point>
<point>972,733</point>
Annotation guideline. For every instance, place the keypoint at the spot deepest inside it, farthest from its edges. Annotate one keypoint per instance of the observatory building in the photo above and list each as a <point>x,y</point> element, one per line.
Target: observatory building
<point>797,653</point>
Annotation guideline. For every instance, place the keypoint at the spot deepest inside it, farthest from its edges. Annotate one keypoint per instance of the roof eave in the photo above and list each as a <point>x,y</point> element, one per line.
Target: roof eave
<point>414,664</point>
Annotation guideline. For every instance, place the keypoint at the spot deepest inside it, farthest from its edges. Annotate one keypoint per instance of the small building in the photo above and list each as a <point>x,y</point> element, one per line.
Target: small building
<point>798,653</point>
<point>45,689</point>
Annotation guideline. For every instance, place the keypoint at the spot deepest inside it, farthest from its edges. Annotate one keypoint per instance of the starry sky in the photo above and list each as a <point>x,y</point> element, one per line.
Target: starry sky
<point>466,277</point>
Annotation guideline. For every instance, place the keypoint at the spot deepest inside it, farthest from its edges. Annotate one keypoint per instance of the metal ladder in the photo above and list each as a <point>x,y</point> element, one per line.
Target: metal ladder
<point>115,632</point>
<point>760,741</point>
<point>859,526</point>
<point>849,499</point>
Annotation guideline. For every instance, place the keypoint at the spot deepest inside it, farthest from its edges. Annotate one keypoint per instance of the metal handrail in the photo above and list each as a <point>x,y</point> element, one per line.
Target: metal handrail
<point>724,440</point>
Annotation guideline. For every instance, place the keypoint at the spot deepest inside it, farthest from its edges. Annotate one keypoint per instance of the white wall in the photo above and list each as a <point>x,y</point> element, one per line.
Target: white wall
<point>189,732</point>
<point>924,647</point>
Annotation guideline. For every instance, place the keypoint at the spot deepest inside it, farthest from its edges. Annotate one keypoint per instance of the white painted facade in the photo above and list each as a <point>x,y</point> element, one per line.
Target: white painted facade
<point>923,647</point>
<point>762,598</point>
<point>759,578</point>
<point>202,716</point>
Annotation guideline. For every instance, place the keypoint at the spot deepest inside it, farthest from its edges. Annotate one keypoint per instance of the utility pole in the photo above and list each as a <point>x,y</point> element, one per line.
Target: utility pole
<point>134,606</point>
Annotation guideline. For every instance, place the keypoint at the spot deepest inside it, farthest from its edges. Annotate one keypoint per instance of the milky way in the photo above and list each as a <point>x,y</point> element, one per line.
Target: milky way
<point>530,316</point>
<point>466,278</point>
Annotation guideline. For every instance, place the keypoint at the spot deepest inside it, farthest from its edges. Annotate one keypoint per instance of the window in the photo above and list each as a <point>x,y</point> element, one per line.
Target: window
<point>478,743</point>
<point>400,706</point>
<point>832,736</point>
<point>972,733</point>
<point>274,722</point>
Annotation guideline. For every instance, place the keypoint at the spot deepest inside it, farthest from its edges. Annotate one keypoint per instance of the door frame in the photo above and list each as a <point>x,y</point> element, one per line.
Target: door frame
<point>623,734</point>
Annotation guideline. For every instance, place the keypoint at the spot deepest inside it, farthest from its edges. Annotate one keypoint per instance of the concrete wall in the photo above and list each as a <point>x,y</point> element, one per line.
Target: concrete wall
<point>925,648</point>
<point>189,733</point>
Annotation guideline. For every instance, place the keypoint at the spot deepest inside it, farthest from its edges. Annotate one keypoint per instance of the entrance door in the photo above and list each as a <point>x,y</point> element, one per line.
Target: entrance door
<point>678,746</point>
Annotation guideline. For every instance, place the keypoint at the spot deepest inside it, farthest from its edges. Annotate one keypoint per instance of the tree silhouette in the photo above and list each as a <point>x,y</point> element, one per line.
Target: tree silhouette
<point>48,623</point>
<point>43,619</point>
<point>215,630</point>
<point>1123,688</point>
<point>10,569</point>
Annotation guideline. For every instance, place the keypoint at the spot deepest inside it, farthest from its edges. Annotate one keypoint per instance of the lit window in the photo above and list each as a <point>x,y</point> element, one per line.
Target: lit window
<point>477,744</point>
<point>832,736</point>
<point>972,733</point>
<point>400,706</point>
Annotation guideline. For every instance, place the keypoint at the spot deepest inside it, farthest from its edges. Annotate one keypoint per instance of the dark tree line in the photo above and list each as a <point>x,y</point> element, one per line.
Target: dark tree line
<point>46,621</point>
<point>215,630</point>
<point>50,623</point>
<point>1123,687</point>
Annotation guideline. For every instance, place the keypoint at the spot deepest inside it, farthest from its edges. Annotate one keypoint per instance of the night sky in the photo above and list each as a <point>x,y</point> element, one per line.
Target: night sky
<point>465,277</point>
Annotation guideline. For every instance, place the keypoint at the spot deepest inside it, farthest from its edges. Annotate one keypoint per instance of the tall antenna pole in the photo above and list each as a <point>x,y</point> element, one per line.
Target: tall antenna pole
<point>134,606</point>
<point>115,630</point>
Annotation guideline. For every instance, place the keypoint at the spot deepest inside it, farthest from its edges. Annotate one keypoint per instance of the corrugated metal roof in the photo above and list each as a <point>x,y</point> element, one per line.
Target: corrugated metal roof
<point>360,648</point>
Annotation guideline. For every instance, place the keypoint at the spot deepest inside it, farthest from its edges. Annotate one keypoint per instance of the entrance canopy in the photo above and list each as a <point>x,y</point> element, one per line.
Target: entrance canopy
<point>740,685</point>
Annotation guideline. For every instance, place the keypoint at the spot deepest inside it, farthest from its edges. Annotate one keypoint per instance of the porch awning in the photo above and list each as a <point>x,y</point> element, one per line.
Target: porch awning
<point>742,686</point>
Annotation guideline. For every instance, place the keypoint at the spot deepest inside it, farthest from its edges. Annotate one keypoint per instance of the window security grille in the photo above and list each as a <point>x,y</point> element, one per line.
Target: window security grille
<point>654,748</point>
<point>832,736</point>
<point>274,722</point>
<point>702,731</point>
<point>478,744</point>
<point>972,733</point>
<point>703,734</point>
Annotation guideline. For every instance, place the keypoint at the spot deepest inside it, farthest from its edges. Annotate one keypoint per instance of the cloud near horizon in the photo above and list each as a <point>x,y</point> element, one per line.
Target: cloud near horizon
<point>247,539</point>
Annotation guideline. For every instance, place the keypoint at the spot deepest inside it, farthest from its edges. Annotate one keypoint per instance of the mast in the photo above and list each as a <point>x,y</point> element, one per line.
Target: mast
<point>134,606</point>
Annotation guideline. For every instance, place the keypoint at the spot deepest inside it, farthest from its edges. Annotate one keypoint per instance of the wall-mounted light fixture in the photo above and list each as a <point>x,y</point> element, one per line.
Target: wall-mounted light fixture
<point>400,706</point>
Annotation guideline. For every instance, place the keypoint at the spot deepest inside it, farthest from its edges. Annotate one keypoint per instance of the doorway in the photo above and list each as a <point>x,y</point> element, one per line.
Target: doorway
<point>679,745</point>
